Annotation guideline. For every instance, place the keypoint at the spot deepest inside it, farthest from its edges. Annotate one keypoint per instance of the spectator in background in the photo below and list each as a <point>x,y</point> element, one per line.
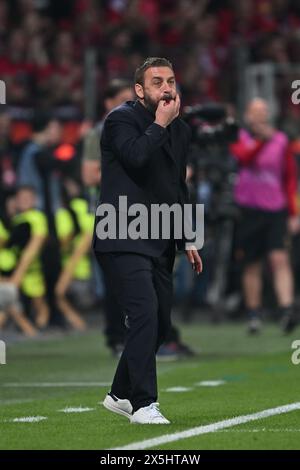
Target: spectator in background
<point>74,226</point>
<point>29,232</point>
<point>40,168</point>
<point>47,133</point>
<point>10,305</point>
<point>266,194</point>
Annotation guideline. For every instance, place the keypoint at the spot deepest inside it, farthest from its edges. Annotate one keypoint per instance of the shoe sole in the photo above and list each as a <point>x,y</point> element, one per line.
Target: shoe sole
<point>137,422</point>
<point>116,410</point>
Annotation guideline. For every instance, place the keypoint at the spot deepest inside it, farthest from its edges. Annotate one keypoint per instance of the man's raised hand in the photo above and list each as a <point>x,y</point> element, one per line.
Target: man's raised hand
<point>167,111</point>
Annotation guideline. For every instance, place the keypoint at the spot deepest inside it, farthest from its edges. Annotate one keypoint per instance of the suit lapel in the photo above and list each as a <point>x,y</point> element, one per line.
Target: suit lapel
<point>145,115</point>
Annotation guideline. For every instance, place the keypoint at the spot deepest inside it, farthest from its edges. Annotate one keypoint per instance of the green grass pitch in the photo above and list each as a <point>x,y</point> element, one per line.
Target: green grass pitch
<point>44,376</point>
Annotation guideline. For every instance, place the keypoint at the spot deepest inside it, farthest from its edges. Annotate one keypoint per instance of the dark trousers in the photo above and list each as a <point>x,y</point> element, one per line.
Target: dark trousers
<point>142,286</point>
<point>115,330</point>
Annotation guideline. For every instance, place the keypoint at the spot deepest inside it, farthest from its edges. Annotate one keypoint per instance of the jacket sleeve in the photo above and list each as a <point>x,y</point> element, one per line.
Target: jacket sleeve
<point>133,148</point>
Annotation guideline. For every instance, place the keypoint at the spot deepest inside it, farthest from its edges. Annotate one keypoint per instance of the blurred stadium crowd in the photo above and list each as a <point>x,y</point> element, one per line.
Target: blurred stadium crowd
<point>43,43</point>
<point>49,180</point>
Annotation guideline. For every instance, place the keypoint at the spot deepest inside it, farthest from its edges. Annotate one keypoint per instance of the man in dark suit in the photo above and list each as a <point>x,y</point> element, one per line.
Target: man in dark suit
<point>144,147</point>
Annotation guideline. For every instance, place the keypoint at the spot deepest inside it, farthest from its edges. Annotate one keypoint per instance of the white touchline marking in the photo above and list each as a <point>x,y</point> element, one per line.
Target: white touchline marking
<point>227,423</point>
<point>178,389</point>
<point>28,419</point>
<point>56,384</point>
<point>210,383</point>
<point>79,409</point>
<point>259,430</point>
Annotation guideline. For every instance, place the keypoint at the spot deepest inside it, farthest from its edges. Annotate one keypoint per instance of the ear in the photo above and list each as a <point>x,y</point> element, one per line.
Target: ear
<point>139,91</point>
<point>108,104</point>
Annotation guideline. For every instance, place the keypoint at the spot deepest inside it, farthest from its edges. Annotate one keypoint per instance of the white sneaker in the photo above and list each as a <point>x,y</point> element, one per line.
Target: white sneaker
<point>117,405</point>
<point>149,415</point>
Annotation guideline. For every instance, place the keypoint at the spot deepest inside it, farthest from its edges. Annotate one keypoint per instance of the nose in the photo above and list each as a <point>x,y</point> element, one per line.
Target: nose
<point>166,88</point>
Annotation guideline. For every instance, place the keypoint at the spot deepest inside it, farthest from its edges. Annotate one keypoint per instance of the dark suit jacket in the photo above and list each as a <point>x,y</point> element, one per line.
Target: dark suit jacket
<point>146,163</point>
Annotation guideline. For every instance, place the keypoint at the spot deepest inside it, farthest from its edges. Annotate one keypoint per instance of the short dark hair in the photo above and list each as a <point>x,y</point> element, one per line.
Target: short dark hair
<point>115,86</point>
<point>40,120</point>
<point>150,62</point>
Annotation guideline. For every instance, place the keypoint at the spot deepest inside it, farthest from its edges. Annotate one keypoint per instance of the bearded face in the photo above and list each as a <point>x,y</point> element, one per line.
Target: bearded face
<point>151,103</point>
<point>159,84</point>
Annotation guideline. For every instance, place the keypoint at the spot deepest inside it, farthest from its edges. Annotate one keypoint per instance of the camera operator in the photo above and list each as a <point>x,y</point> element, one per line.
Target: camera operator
<point>265,191</point>
<point>213,129</point>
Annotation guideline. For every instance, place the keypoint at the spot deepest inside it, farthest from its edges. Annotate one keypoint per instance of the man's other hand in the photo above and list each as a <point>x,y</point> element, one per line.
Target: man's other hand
<point>195,259</point>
